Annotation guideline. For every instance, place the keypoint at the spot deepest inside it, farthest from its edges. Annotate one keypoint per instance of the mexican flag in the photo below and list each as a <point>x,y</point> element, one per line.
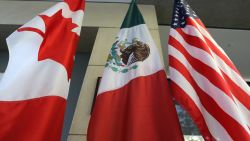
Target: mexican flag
<point>133,101</point>
<point>34,87</point>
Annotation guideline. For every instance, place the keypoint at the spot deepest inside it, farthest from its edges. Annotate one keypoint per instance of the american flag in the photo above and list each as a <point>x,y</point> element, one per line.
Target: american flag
<point>205,81</point>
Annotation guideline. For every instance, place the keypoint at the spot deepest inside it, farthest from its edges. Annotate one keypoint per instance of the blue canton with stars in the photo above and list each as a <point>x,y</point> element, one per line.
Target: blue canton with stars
<point>182,10</point>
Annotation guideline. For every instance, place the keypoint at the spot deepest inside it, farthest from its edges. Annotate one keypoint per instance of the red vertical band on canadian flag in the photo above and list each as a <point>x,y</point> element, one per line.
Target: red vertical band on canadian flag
<point>32,120</point>
<point>76,4</point>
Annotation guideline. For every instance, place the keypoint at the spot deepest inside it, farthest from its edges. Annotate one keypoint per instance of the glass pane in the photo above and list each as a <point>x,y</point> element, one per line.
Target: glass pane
<point>187,124</point>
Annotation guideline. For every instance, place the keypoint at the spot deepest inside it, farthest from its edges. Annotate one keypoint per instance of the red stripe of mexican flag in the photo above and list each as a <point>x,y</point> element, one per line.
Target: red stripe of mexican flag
<point>133,102</point>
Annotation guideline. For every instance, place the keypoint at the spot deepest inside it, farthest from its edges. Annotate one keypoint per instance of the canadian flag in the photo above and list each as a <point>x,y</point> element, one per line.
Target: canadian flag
<point>34,88</point>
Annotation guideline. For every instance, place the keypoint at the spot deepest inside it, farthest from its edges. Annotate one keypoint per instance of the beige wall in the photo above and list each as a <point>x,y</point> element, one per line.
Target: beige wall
<point>108,17</point>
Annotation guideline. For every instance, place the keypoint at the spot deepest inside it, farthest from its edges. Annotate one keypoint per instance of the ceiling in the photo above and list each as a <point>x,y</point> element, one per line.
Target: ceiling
<point>232,14</point>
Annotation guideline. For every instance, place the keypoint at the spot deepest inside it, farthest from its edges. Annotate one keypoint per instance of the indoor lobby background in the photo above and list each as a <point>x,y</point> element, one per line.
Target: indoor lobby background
<point>228,22</point>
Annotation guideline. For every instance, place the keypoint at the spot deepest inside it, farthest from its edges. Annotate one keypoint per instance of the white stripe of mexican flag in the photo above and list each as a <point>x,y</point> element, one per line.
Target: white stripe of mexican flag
<point>125,73</point>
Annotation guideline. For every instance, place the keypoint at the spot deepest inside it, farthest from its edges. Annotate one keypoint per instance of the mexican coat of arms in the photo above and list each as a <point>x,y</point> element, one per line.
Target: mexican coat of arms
<point>124,55</point>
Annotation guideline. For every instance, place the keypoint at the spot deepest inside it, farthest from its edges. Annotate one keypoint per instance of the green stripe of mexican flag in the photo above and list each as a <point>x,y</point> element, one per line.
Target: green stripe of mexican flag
<point>133,101</point>
<point>133,17</point>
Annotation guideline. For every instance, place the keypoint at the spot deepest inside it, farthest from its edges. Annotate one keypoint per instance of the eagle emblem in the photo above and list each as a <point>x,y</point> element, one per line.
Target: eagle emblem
<point>124,55</point>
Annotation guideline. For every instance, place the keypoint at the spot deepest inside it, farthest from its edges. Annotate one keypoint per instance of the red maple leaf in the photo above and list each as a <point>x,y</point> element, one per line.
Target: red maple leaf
<point>59,43</point>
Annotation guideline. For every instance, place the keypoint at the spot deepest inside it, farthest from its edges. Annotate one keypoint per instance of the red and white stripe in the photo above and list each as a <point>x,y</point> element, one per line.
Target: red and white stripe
<point>207,84</point>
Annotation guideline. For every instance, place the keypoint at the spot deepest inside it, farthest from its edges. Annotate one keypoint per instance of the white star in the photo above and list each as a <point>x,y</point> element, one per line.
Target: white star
<point>175,19</point>
<point>175,24</point>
